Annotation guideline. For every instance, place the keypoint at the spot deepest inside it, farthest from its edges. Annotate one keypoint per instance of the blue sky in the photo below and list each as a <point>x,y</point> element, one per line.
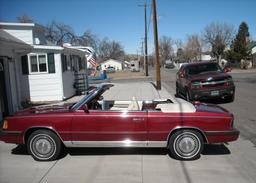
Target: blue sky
<point>123,20</point>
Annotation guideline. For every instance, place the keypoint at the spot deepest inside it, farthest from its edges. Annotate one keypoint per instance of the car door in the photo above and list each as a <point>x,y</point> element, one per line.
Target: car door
<point>97,128</point>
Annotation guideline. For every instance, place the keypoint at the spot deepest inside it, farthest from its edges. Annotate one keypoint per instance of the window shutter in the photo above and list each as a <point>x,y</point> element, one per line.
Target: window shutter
<point>62,62</point>
<point>51,63</point>
<point>24,64</point>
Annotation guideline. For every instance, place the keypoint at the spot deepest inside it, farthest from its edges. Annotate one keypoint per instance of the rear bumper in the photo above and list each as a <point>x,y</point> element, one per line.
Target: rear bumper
<point>212,93</point>
<point>14,137</point>
<point>222,136</point>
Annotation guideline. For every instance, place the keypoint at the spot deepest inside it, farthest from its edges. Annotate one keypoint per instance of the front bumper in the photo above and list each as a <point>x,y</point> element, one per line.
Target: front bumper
<point>222,136</point>
<point>212,93</point>
<point>14,137</point>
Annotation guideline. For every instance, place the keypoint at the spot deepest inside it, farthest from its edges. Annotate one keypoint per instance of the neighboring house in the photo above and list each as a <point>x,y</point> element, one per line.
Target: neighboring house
<point>204,57</point>
<point>35,72</point>
<point>253,48</point>
<point>127,64</point>
<point>118,65</point>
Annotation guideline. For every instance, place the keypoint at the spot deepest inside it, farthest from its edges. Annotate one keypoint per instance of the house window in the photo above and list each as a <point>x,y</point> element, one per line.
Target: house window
<point>38,63</point>
<point>33,63</point>
<point>42,63</point>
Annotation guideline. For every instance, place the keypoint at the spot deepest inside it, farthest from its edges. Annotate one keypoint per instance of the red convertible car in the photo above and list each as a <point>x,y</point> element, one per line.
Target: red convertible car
<point>173,123</point>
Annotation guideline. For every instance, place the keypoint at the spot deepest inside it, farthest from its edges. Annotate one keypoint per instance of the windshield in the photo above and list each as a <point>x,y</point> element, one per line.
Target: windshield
<point>82,101</point>
<point>203,68</point>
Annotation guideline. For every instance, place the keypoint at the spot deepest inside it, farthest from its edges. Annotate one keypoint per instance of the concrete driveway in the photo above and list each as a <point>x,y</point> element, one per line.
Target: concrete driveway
<point>218,163</point>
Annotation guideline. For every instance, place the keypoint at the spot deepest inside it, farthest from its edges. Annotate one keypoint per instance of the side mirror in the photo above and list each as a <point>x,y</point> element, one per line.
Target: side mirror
<point>85,108</point>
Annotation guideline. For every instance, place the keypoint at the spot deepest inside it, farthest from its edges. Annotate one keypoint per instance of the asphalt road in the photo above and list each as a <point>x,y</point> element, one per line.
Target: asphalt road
<point>233,163</point>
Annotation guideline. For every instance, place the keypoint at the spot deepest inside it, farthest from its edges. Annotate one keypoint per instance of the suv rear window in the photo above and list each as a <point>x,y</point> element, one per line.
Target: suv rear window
<point>203,68</point>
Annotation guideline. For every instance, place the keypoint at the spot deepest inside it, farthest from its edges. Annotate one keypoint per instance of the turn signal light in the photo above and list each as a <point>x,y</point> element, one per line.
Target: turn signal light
<point>5,125</point>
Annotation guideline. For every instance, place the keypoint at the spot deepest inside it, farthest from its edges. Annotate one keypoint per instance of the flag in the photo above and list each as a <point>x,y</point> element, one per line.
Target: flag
<point>93,62</point>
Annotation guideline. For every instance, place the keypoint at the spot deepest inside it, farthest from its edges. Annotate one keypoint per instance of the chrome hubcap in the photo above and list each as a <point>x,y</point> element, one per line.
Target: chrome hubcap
<point>187,145</point>
<point>43,146</point>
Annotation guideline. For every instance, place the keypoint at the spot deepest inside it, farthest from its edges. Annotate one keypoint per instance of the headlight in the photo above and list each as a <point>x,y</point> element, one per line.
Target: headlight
<point>196,85</point>
<point>229,82</point>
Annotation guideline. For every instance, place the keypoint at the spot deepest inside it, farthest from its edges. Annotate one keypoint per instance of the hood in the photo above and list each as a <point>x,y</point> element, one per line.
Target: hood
<point>210,76</point>
<point>45,109</point>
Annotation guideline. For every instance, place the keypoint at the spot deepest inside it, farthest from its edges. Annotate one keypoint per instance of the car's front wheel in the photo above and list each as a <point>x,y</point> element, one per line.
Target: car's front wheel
<point>44,145</point>
<point>186,144</point>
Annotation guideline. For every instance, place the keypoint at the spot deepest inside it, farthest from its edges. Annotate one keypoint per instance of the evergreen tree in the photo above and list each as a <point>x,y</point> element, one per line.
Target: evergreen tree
<point>239,47</point>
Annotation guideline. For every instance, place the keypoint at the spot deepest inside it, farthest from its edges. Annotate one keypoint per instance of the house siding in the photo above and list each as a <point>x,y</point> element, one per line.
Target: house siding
<point>47,87</point>
<point>24,34</point>
<point>43,86</point>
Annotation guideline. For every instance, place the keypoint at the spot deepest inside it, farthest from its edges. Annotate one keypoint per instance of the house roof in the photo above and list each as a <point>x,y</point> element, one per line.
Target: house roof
<point>17,24</point>
<point>46,47</point>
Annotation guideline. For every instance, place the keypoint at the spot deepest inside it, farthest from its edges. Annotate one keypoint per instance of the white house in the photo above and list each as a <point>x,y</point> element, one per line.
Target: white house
<point>35,72</point>
<point>254,54</point>
<point>118,65</point>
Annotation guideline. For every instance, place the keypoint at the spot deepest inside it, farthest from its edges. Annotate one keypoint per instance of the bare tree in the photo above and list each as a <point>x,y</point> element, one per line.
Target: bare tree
<point>218,36</point>
<point>165,48</point>
<point>193,47</point>
<point>25,19</point>
<point>60,33</point>
<point>87,39</point>
<point>178,43</point>
<point>110,49</point>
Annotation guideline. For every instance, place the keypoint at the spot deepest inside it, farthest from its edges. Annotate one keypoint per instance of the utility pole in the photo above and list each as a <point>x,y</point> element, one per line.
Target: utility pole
<point>158,75</point>
<point>146,40</point>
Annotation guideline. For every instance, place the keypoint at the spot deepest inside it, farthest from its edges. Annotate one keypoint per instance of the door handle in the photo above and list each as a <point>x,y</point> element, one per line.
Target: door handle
<point>137,119</point>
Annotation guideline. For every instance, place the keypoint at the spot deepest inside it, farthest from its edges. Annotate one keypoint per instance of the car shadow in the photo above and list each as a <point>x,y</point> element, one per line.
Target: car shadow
<point>20,150</point>
<point>215,149</point>
<point>116,151</point>
<point>209,149</point>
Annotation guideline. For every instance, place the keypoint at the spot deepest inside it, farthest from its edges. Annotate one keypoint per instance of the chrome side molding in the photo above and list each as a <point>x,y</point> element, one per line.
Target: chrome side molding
<point>124,143</point>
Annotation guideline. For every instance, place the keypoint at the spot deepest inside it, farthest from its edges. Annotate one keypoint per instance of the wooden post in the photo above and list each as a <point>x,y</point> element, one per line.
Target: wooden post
<point>158,75</point>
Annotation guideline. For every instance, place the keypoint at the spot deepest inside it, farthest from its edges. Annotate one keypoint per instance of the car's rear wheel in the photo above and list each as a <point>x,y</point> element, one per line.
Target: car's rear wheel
<point>44,145</point>
<point>186,144</point>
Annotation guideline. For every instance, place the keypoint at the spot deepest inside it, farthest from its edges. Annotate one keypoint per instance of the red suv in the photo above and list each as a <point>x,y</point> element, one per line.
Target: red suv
<point>204,80</point>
